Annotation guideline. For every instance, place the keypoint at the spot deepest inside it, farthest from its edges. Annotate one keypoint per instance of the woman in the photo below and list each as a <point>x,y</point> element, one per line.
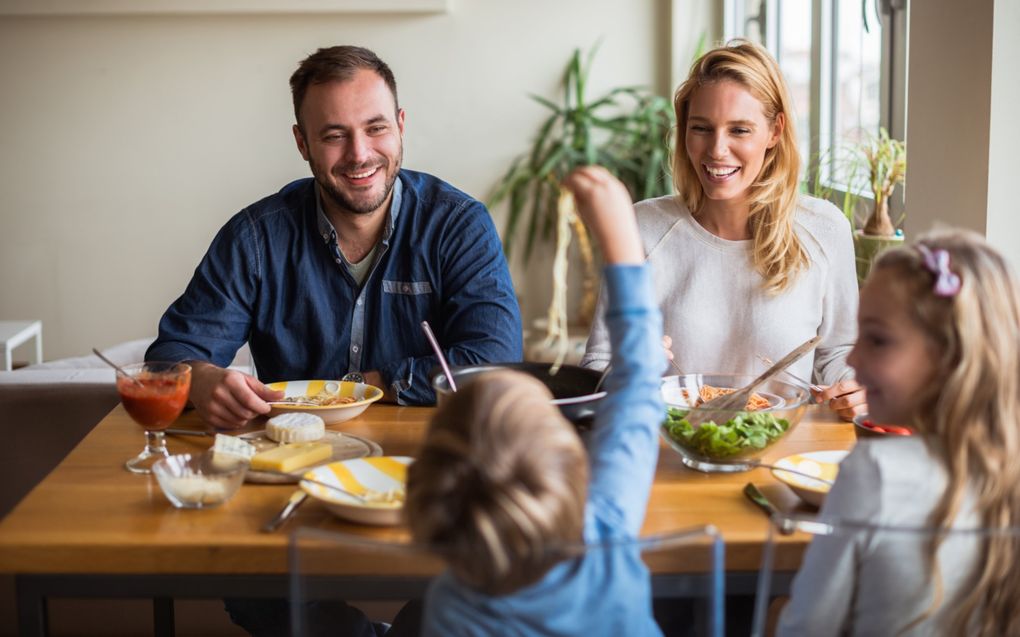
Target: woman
<point>744,266</point>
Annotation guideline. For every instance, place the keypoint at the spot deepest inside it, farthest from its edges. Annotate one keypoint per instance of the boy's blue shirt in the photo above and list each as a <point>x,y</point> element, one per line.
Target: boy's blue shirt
<point>275,278</point>
<point>608,591</point>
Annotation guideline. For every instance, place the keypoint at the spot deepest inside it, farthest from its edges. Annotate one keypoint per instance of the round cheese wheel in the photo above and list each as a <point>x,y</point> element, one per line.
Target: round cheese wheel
<point>295,427</point>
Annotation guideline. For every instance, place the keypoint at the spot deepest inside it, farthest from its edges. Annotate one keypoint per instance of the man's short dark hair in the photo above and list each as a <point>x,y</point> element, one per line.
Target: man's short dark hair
<point>337,64</point>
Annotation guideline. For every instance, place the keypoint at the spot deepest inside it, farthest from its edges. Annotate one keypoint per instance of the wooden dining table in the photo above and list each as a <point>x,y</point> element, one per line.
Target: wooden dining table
<point>92,529</point>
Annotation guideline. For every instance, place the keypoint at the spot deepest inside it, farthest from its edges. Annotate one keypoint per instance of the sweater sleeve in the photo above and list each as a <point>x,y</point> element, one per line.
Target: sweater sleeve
<point>624,444</point>
<point>838,328</point>
<point>597,351</point>
<point>824,589</point>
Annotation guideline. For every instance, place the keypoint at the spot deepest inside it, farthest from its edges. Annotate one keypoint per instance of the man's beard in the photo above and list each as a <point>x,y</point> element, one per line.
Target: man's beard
<point>363,207</point>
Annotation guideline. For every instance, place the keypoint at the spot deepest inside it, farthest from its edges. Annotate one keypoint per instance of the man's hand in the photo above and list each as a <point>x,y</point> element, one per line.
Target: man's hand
<point>227,399</point>
<point>604,205</point>
<point>846,398</point>
<point>375,378</point>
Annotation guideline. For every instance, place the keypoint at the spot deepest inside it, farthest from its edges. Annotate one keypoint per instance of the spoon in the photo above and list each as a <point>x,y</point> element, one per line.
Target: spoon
<point>360,498</point>
<point>439,353</point>
<point>117,367</point>
<point>605,373</point>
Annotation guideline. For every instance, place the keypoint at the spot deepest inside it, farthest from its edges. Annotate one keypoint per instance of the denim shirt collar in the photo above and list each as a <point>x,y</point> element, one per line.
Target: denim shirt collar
<point>328,232</point>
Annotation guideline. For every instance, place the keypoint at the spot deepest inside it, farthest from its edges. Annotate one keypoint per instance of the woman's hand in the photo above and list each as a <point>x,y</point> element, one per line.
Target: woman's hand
<point>846,398</point>
<point>667,343</point>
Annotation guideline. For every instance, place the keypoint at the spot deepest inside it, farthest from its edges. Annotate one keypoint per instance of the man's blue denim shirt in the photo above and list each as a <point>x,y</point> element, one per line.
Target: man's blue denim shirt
<point>274,278</point>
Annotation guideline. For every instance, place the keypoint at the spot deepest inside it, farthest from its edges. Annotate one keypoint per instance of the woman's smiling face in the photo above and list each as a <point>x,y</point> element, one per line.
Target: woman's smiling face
<point>727,136</point>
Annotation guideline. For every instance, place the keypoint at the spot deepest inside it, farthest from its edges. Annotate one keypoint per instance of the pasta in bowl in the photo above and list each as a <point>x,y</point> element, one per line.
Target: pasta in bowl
<point>729,439</point>
<point>332,400</point>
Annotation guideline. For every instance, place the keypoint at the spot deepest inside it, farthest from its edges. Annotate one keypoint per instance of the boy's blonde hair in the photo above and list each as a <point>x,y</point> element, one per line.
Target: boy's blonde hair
<point>501,480</point>
<point>972,408</point>
<point>776,251</point>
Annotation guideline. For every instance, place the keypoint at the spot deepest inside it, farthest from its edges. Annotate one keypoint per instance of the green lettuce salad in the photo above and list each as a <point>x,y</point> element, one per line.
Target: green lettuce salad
<point>747,431</point>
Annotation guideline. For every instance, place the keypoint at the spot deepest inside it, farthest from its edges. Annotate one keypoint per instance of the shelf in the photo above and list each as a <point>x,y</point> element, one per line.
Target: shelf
<point>215,7</point>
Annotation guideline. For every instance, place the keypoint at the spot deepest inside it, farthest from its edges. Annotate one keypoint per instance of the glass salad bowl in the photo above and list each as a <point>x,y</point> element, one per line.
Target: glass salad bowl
<point>729,439</point>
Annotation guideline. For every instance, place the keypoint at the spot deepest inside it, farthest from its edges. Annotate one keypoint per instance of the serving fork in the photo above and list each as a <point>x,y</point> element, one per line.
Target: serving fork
<point>737,399</point>
<point>811,386</point>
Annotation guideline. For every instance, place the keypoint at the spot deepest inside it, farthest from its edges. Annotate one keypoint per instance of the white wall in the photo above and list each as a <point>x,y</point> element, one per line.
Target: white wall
<point>126,141</point>
<point>962,137</point>
<point>1004,138</point>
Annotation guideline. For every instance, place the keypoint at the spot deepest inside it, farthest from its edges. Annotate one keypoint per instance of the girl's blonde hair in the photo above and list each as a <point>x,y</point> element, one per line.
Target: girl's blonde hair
<point>971,409</point>
<point>501,481</point>
<point>776,252</point>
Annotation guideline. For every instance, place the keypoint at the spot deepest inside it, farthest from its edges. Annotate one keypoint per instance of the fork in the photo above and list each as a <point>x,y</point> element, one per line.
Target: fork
<point>738,398</point>
<point>789,374</point>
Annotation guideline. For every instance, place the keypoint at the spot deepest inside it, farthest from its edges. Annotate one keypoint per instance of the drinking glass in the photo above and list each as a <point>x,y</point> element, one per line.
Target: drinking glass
<point>154,394</point>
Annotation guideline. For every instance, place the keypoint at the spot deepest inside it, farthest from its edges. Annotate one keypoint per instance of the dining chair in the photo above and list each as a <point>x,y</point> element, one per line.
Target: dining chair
<point>878,578</point>
<point>367,565</point>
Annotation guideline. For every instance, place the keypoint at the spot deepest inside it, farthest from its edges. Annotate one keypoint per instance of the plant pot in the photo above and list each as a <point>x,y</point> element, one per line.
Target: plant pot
<point>868,247</point>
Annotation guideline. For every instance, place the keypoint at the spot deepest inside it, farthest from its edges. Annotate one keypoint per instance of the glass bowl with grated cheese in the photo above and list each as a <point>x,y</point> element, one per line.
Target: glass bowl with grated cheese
<point>194,481</point>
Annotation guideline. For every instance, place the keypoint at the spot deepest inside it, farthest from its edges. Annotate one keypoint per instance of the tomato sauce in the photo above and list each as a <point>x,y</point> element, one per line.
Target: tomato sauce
<point>156,403</point>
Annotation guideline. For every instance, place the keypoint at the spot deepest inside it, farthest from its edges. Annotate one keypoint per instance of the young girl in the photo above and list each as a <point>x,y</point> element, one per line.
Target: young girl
<point>503,479</point>
<point>744,266</point>
<point>938,350</point>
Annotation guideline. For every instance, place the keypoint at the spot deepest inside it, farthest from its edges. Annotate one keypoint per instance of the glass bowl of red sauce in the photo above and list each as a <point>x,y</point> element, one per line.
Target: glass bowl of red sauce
<point>154,395</point>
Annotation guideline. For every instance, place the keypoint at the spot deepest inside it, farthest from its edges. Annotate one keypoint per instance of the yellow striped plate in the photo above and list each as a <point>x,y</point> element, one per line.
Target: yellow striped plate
<point>820,464</point>
<point>330,414</point>
<point>362,476</point>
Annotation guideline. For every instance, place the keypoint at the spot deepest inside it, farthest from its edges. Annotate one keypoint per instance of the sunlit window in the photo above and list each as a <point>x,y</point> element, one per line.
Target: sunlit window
<point>835,55</point>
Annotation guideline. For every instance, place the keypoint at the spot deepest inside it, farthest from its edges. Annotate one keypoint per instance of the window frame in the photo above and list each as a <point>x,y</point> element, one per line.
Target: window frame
<point>824,44</point>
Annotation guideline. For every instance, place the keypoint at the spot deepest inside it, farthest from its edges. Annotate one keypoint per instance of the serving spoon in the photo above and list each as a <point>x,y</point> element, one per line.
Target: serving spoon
<point>117,367</point>
<point>439,354</point>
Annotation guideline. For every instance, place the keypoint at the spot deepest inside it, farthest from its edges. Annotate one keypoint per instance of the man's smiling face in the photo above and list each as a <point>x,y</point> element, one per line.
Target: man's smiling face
<point>351,134</point>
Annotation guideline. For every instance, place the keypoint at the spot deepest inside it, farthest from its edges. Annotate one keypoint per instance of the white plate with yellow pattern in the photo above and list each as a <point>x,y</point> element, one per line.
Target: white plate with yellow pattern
<point>339,400</point>
<point>382,480</point>
<point>810,465</point>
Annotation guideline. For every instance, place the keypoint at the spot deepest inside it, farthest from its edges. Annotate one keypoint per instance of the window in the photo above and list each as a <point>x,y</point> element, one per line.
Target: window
<point>844,62</point>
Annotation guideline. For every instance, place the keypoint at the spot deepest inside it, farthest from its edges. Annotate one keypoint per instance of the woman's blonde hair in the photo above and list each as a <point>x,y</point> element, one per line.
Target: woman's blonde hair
<point>971,409</point>
<point>501,480</point>
<point>776,252</point>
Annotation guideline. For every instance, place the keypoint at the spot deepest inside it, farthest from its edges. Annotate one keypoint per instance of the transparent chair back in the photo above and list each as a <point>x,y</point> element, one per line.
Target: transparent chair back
<point>325,566</point>
<point>866,578</point>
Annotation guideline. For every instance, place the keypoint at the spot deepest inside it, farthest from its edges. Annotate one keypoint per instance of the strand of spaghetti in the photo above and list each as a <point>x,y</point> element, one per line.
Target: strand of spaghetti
<point>557,326</point>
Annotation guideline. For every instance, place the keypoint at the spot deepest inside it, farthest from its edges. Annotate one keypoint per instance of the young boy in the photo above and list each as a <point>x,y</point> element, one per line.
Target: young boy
<point>503,485</point>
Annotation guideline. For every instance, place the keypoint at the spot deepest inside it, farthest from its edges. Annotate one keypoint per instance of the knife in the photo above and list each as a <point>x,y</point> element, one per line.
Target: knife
<point>755,495</point>
<point>296,499</point>
<point>187,432</point>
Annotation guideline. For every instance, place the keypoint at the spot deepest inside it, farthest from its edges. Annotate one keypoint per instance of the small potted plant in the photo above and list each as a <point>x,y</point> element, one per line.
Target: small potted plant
<point>876,165</point>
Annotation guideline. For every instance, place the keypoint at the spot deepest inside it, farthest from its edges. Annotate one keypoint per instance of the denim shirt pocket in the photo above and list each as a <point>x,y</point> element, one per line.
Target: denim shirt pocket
<point>412,288</point>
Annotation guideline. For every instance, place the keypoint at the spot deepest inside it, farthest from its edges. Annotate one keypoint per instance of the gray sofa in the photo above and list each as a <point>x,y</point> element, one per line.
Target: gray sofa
<point>46,409</point>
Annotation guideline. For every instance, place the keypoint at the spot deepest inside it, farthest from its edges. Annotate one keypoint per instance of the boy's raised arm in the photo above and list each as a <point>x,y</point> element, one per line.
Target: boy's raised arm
<point>624,443</point>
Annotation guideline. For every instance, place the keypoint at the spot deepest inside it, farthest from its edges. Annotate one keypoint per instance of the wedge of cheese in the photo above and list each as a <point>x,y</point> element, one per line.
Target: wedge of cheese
<point>287,458</point>
<point>229,450</point>
<point>295,427</point>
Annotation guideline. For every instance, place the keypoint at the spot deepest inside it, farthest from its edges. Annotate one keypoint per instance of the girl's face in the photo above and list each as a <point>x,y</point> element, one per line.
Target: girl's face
<point>727,136</point>
<point>893,358</point>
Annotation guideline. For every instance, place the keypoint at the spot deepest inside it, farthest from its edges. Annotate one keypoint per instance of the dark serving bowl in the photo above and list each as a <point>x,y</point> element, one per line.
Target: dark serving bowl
<point>572,387</point>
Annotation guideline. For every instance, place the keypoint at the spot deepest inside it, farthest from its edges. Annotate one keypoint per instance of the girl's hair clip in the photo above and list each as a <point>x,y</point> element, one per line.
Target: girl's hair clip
<point>947,282</point>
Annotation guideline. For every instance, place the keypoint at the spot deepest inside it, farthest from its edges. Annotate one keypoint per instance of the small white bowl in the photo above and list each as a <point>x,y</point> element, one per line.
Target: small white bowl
<point>330,414</point>
<point>194,482</point>
<point>381,474</point>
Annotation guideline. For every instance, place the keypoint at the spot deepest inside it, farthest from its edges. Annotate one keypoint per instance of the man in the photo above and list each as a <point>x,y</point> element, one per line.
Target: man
<point>334,275</point>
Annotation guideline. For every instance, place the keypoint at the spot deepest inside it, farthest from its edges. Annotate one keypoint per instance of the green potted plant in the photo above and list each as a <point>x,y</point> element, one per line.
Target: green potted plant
<point>626,130</point>
<point>876,165</point>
